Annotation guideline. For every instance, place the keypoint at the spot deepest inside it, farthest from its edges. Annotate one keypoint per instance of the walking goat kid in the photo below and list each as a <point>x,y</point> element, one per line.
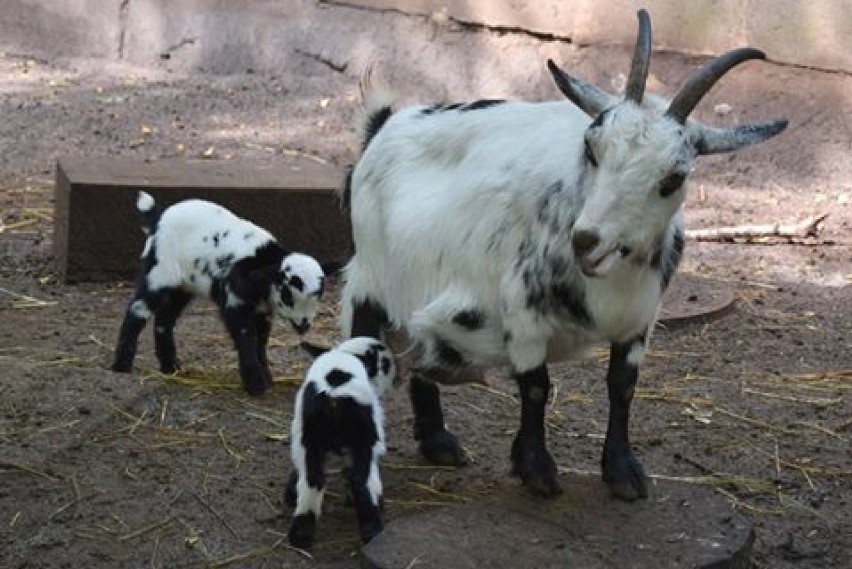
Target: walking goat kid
<point>338,408</point>
<point>496,233</point>
<point>196,247</point>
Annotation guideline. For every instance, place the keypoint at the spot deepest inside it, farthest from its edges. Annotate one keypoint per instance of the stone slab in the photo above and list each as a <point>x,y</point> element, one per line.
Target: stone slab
<point>691,298</point>
<point>679,526</point>
<point>98,235</point>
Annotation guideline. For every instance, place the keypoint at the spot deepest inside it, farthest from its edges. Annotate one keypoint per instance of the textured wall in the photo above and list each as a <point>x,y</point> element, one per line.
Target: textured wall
<point>226,35</point>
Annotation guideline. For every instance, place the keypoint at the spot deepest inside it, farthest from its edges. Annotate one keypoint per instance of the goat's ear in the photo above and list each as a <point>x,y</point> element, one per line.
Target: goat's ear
<point>589,98</point>
<point>710,140</point>
<point>313,350</point>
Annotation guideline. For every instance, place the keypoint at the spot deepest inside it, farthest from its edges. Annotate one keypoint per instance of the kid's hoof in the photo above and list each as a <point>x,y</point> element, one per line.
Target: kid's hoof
<point>301,532</point>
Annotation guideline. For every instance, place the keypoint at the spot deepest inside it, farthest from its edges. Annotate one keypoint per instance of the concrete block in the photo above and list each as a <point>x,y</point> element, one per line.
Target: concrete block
<point>98,233</point>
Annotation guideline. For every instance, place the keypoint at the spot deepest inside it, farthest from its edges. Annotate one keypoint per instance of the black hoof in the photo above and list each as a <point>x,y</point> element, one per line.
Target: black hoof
<point>534,465</point>
<point>371,530</point>
<point>169,368</point>
<point>122,367</point>
<point>290,491</point>
<point>624,476</point>
<point>256,384</point>
<point>442,448</point>
<point>302,530</point>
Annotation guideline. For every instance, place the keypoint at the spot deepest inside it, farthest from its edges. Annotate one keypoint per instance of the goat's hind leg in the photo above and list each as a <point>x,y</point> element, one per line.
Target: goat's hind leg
<point>364,478</point>
<point>136,316</point>
<point>621,471</point>
<point>241,324</point>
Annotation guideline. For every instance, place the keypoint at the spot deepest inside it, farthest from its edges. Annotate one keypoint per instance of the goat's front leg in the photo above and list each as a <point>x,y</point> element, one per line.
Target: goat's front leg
<point>144,304</point>
<point>366,485</point>
<point>263,322</point>
<point>530,457</point>
<point>240,322</point>
<point>621,470</point>
<point>164,325</point>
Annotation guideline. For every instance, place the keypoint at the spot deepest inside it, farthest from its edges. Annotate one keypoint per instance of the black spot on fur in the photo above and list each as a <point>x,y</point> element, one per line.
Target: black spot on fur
<point>216,239</point>
<point>225,261</point>
<point>287,297</point>
<point>441,107</point>
<point>572,299</point>
<point>672,258</point>
<point>548,199</point>
<point>470,319</point>
<point>337,377</point>
<point>599,120</point>
<point>671,183</point>
<point>225,234</point>
<point>370,360</point>
<point>196,262</point>
<point>205,239</point>
<point>507,336</point>
<point>268,255</point>
<point>448,355</point>
<point>297,283</point>
<point>217,292</point>
<point>374,123</point>
<point>481,104</point>
<point>248,235</point>
<point>385,365</point>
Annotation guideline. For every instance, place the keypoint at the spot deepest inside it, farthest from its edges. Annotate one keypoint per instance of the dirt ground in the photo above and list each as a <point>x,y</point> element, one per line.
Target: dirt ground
<point>102,470</point>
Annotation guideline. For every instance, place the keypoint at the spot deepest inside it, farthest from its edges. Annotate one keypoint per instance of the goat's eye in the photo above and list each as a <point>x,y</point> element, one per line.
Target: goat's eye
<point>590,155</point>
<point>671,184</point>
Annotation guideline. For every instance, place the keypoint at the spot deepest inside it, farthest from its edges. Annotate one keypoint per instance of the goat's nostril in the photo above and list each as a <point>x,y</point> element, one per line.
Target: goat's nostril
<point>584,241</point>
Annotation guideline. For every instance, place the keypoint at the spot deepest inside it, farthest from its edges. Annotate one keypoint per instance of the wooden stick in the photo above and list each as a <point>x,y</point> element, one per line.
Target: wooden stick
<point>806,228</point>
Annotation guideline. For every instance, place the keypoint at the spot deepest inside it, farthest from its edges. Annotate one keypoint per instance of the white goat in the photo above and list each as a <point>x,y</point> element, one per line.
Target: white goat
<point>196,247</point>
<point>519,233</point>
<point>338,408</point>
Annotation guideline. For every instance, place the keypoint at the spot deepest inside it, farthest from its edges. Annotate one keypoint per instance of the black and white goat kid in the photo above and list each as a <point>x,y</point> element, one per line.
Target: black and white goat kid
<point>514,233</point>
<point>338,408</point>
<point>198,248</point>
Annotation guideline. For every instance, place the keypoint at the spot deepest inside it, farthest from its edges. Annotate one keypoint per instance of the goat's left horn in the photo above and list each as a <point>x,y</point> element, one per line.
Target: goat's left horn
<point>641,59</point>
<point>703,79</point>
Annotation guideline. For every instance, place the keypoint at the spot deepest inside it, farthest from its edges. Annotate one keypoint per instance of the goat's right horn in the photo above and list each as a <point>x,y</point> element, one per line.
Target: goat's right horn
<point>641,59</point>
<point>703,79</point>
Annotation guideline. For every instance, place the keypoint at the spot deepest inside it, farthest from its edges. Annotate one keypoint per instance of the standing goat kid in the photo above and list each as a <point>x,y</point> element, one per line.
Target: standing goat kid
<point>196,247</point>
<point>338,408</point>
<point>495,233</point>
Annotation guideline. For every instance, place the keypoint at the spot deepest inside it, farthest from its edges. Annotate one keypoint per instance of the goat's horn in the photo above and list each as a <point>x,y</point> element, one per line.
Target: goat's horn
<point>641,59</point>
<point>703,79</point>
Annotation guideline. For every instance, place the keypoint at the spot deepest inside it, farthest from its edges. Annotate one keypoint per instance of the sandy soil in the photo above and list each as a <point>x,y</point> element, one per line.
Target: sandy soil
<point>104,470</point>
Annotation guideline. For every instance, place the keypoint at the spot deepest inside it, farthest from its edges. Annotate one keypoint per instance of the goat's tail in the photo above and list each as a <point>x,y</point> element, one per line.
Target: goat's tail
<point>377,100</point>
<point>377,107</point>
<point>150,212</point>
